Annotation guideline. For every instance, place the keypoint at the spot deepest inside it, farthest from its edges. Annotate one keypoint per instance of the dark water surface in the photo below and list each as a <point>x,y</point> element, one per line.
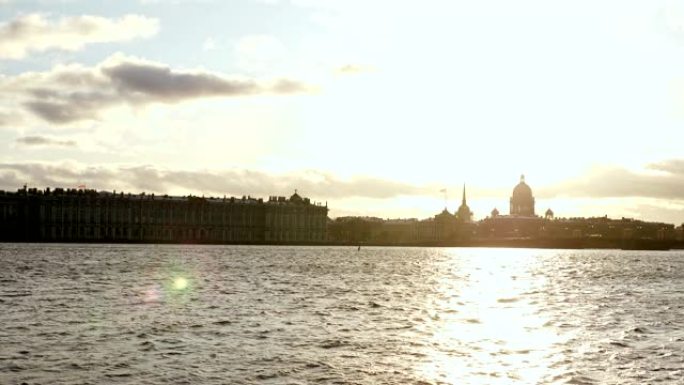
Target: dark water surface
<point>146,314</point>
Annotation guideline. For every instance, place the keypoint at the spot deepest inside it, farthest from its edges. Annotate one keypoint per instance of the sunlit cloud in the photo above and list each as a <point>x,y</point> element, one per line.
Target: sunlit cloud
<point>663,182</point>
<point>6,118</point>
<point>221,182</point>
<point>600,183</point>
<point>671,166</point>
<point>353,69</point>
<point>674,17</point>
<point>44,141</point>
<point>36,33</point>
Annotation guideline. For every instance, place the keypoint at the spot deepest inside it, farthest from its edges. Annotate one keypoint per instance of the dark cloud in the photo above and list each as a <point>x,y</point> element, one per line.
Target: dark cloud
<point>218,183</point>
<point>160,83</point>
<point>73,93</point>
<point>13,175</point>
<point>59,113</point>
<point>44,141</point>
<point>61,107</point>
<point>616,182</point>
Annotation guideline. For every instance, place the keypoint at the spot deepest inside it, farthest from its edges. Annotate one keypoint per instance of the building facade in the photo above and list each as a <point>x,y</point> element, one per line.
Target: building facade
<point>443,228</point>
<point>70,215</point>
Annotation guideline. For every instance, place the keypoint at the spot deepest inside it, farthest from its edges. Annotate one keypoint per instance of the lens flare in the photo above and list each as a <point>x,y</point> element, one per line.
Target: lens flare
<point>151,295</point>
<point>180,283</point>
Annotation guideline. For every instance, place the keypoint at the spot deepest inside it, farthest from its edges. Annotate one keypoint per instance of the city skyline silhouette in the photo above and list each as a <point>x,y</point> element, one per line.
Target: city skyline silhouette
<point>351,105</point>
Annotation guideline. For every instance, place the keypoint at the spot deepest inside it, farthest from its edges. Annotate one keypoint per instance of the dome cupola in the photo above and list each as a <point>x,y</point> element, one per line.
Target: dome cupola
<point>522,200</point>
<point>522,190</point>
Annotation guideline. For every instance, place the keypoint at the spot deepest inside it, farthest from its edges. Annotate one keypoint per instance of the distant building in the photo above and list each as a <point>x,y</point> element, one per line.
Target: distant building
<point>73,215</point>
<point>521,223</point>
<point>464,214</point>
<point>443,228</point>
<point>522,201</point>
<point>446,226</point>
<point>522,228</point>
<point>606,228</point>
<point>549,214</point>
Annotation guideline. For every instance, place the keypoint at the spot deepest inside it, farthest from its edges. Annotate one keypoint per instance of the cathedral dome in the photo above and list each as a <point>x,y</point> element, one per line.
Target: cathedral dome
<point>522,201</point>
<point>522,190</point>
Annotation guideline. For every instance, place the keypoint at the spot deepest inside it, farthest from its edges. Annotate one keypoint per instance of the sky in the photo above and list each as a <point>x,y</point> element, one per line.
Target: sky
<point>371,106</point>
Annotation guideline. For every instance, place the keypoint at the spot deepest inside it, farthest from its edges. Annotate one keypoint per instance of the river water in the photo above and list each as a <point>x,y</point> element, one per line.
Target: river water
<point>149,314</point>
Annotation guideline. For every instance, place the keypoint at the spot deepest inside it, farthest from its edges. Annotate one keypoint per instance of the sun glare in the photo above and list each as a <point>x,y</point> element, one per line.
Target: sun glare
<point>490,328</point>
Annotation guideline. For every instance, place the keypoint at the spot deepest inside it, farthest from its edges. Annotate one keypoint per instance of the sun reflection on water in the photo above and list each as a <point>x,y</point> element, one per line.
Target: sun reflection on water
<point>488,327</point>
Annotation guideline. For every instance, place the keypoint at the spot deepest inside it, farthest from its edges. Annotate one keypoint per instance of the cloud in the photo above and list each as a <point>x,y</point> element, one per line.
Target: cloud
<point>5,118</point>
<point>237,182</point>
<point>152,81</point>
<point>658,202</point>
<point>673,15</point>
<point>666,182</point>
<point>35,33</point>
<point>44,141</point>
<point>58,112</point>
<point>73,92</point>
<point>351,69</point>
<point>671,166</point>
<point>654,212</point>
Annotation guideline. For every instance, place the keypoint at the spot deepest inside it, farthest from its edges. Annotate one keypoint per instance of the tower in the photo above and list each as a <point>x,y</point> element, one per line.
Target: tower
<point>464,214</point>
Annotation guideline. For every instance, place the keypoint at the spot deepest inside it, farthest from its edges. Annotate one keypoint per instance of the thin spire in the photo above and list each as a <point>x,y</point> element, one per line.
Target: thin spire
<point>464,194</point>
<point>522,178</point>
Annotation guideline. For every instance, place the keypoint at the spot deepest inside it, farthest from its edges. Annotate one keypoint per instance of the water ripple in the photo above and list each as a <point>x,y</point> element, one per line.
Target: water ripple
<point>130,314</point>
